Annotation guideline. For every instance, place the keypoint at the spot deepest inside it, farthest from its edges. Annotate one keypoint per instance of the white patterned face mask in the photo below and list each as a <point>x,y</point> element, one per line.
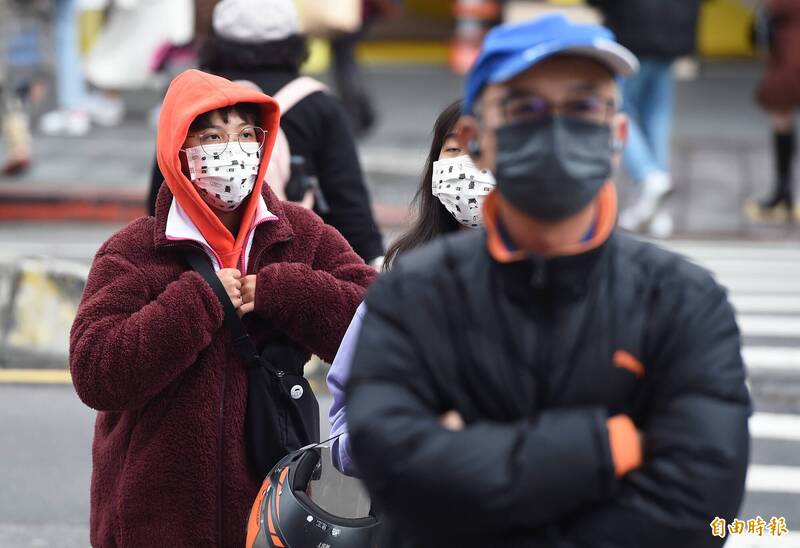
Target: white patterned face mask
<point>462,187</point>
<point>224,175</point>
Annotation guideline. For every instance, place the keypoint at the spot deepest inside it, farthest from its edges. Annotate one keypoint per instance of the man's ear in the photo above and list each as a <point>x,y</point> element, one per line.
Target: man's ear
<point>468,135</point>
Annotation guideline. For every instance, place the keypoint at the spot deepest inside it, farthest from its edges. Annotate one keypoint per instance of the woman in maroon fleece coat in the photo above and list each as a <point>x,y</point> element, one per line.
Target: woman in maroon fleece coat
<point>149,349</point>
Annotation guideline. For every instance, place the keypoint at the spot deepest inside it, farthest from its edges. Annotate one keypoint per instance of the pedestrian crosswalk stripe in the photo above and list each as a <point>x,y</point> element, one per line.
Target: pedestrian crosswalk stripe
<point>728,253</point>
<point>785,256</point>
<point>758,325</point>
<point>775,426</point>
<point>760,285</point>
<point>773,479</point>
<point>761,266</point>
<point>730,244</point>
<point>753,304</point>
<point>731,250</point>
<point>752,540</point>
<point>768,357</point>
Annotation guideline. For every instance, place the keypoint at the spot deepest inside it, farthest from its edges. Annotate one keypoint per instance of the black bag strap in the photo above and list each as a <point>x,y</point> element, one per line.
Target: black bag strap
<point>241,340</point>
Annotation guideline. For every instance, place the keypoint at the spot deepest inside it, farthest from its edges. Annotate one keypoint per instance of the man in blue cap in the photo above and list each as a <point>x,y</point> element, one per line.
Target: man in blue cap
<point>548,382</point>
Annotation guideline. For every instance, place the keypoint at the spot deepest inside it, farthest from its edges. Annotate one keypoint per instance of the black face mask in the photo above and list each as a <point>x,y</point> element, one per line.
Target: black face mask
<point>552,168</point>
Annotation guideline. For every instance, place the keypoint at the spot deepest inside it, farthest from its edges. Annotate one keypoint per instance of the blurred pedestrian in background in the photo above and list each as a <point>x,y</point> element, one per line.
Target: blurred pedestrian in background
<point>150,348</point>
<point>259,41</point>
<point>448,199</point>
<point>71,117</point>
<point>347,72</point>
<point>658,32</point>
<point>203,20</point>
<point>23,60</point>
<point>43,35</point>
<point>548,381</point>
<point>779,95</point>
<point>123,54</point>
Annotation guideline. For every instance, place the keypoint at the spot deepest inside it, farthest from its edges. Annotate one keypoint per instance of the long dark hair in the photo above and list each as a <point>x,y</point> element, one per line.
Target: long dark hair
<point>432,218</point>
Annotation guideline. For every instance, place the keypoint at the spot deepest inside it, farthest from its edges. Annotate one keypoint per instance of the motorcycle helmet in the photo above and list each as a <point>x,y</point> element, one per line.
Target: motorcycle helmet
<point>285,516</point>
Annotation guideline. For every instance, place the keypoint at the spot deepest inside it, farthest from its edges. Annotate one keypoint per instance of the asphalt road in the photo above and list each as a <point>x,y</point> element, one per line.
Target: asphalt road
<point>45,465</point>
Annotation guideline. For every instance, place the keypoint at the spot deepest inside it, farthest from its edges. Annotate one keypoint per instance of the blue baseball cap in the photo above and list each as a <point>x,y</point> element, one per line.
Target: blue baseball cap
<point>509,50</point>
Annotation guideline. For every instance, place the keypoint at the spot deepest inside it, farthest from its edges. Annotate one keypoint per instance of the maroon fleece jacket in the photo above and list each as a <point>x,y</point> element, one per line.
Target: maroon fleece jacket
<point>149,351</point>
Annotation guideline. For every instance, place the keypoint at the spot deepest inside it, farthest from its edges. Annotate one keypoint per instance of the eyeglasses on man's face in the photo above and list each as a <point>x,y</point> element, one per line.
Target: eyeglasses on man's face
<point>518,108</point>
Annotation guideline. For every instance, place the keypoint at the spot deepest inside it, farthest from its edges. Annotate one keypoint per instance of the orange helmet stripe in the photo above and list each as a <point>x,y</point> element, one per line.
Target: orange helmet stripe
<point>254,522</point>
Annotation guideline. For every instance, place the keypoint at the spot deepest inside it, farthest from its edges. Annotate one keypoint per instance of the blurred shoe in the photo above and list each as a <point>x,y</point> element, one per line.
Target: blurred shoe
<point>661,226</point>
<point>777,210</point>
<point>686,69</point>
<point>75,123</point>
<point>655,189</point>
<point>15,166</point>
<point>106,110</point>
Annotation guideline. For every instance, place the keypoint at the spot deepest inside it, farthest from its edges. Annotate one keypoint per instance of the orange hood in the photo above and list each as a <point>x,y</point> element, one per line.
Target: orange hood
<point>190,94</point>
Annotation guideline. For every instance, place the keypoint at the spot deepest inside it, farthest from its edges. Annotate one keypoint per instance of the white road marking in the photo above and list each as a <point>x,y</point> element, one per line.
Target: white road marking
<point>792,540</point>
<point>776,427</point>
<point>758,325</point>
<point>750,304</point>
<point>760,285</point>
<point>768,357</point>
<point>773,479</point>
<point>773,267</point>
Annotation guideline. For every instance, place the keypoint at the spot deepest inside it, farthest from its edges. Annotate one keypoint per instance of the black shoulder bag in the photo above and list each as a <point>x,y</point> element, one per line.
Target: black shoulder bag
<point>282,411</point>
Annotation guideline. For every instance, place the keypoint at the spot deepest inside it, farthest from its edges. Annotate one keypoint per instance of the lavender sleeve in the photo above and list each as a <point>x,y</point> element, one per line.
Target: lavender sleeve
<point>337,378</point>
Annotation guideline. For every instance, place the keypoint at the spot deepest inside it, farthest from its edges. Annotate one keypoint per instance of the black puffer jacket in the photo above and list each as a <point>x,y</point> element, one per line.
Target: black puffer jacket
<point>531,354</point>
<point>664,29</point>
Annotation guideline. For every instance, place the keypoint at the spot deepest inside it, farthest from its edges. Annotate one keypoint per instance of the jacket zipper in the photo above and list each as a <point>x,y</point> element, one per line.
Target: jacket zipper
<point>248,242</point>
<point>538,278</point>
<point>221,454</point>
<point>221,422</point>
<point>221,425</point>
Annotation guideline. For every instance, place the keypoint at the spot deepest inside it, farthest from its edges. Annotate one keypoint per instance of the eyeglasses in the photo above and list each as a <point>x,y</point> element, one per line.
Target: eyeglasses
<point>527,108</point>
<point>251,139</point>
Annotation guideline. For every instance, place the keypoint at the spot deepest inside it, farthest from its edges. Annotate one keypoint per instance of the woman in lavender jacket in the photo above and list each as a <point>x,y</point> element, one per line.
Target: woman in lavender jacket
<point>443,206</point>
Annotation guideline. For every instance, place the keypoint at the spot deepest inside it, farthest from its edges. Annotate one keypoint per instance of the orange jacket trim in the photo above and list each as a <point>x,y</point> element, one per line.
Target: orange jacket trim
<point>254,522</point>
<point>605,222</point>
